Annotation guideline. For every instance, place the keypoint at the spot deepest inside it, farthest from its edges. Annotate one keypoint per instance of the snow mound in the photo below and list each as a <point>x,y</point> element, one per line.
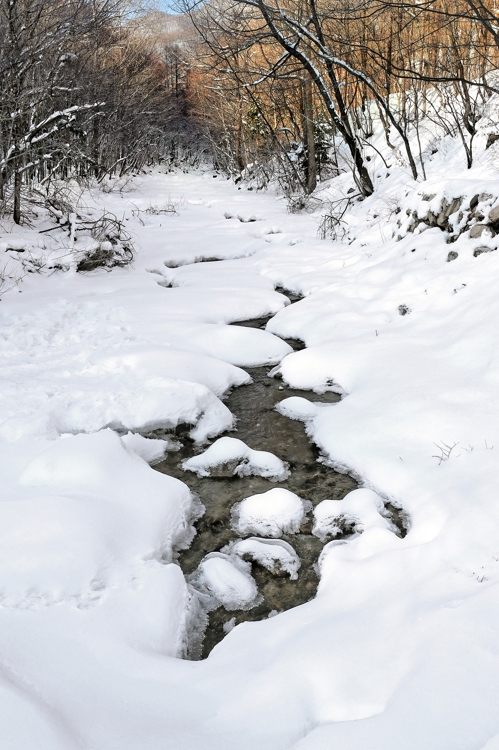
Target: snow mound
<point>151,450</point>
<point>275,555</point>
<point>492,744</point>
<point>134,405</point>
<point>84,514</point>
<point>226,581</point>
<point>358,511</point>
<point>315,368</point>
<point>241,346</point>
<point>271,513</point>
<point>298,408</point>
<point>167,362</point>
<point>230,457</point>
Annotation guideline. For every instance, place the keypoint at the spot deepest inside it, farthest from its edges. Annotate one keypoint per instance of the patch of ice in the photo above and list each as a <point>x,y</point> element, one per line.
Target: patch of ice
<point>239,459</point>
<point>271,513</point>
<point>229,625</point>
<point>274,555</point>
<point>358,511</point>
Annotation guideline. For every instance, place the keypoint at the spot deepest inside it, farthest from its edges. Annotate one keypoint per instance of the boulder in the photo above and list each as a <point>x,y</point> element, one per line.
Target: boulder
<point>483,249</point>
<point>477,230</point>
<point>491,139</point>
<point>484,197</point>
<point>431,219</point>
<point>447,210</point>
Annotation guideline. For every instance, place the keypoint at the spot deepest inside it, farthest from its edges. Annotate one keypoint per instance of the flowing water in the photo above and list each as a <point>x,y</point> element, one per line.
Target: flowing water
<point>261,427</point>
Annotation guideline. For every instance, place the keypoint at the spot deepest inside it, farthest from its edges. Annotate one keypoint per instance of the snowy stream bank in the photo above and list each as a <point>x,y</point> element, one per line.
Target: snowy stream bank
<point>260,424</point>
<point>398,648</point>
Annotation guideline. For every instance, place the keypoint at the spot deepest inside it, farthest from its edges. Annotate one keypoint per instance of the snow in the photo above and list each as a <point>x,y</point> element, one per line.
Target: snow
<point>85,512</point>
<point>245,347</point>
<point>240,460</point>
<point>166,362</point>
<point>151,450</point>
<point>399,648</point>
<point>274,555</point>
<point>135,406</point>
<point>296,407</point>
<point>271,513</point>
<point>359,510</point>
<point>226,580</point>
<point>229,625</point>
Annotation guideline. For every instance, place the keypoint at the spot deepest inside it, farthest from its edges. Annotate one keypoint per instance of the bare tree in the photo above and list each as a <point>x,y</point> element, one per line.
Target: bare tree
<point>86,90</point>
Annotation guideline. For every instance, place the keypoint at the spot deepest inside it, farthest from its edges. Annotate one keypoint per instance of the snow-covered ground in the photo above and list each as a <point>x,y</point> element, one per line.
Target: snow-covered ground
<point>400,648</point>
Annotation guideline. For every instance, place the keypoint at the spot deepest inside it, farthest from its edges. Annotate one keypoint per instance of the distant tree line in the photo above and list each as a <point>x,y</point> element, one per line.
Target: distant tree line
<point>88,88</point>
<point>271,90</point>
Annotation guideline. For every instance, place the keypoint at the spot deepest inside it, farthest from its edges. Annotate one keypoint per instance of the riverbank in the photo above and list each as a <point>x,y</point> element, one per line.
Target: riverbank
<point>398,649</point>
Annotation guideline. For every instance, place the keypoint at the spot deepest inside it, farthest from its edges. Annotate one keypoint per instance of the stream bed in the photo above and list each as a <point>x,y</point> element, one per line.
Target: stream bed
<point>261,427</point>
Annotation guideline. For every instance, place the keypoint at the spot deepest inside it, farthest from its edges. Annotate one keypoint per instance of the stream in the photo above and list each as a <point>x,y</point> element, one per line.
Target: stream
<point>261,427</point>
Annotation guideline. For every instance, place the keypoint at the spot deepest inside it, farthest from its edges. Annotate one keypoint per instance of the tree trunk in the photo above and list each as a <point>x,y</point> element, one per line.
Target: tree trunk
<point>17,197</point>
<point>95,147</point>
<point>308,132</point>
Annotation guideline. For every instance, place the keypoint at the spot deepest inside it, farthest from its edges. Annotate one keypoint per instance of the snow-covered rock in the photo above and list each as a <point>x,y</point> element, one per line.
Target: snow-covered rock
<point>227,581</point>
<point>296,407</point>
<point>358,511</point>
<point>231,457</point>
<point>239,345</point>
<point>271,513</point>
<point>275,555</point>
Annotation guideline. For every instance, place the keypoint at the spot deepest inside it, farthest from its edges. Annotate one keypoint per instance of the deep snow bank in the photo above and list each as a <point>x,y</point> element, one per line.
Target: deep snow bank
<point>399,649</point>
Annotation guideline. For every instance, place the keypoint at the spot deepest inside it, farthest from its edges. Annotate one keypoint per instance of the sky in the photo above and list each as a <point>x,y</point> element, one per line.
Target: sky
<point>166,5</point>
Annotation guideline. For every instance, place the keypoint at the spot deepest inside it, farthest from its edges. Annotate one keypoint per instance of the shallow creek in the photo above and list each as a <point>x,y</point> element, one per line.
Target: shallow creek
<point>261,428</point>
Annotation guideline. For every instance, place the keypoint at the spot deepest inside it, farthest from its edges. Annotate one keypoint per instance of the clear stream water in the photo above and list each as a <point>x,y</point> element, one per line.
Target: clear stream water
<point>261,427</point>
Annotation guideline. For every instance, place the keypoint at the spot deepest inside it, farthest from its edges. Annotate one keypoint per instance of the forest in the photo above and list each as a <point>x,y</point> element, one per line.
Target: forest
<point>276,92</point>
